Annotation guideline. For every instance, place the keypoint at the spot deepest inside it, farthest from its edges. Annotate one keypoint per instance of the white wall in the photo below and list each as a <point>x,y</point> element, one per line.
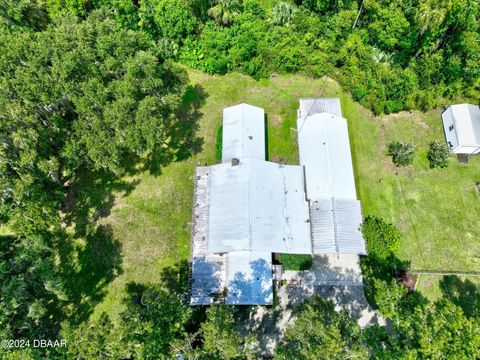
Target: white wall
<point>450,135</point>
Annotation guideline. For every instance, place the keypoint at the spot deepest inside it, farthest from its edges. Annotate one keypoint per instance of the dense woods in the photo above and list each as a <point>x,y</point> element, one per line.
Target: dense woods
<point>392,55</point>
<point>85,86</point>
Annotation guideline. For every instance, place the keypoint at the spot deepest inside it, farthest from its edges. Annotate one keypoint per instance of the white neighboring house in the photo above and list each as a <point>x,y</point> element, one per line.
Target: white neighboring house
<point>461,123</point>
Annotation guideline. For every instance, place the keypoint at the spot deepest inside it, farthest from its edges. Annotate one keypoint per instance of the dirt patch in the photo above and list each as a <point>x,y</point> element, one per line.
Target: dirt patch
<point>276,119</point>
<point>415,115</point>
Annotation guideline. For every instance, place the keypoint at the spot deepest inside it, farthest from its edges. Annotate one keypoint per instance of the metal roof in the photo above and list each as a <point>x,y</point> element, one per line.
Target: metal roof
<point>257,206</point>
<point>207,270</point>
<point>467,123</point>
<point>249,278</point>
<point>324,150</point>
<point>336,226</point>
<point>311,106</point>
<point>243,132</point>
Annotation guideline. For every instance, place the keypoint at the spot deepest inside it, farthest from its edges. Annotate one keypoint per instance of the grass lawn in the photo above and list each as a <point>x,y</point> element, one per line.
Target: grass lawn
<point>144,219</point>
<point>139,225</point>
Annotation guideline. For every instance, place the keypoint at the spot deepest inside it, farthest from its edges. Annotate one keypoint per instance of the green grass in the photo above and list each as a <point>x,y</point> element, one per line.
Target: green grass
<point>148,217</point>
<point>138,226</point>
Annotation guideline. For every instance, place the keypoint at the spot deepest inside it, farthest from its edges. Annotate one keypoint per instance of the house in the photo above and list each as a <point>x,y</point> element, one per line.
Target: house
<point>247,209</point>
<point>461,124</point>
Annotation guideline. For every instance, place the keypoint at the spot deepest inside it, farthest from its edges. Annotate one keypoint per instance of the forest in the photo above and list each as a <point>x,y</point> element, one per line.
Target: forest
<point>97,87</point>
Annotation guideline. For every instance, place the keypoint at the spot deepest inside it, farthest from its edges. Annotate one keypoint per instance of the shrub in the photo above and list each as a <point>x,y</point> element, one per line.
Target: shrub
<point>296,262</point>
<point>383,239</point>
<point>401,152</point>
<point>218,146</point>
<point>438,155</point>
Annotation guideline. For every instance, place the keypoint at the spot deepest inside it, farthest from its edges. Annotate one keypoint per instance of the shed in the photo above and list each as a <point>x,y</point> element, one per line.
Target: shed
<point>461,124</point>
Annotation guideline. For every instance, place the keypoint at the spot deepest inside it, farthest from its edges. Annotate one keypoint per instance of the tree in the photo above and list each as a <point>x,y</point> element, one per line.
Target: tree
<point>225,11</point>
<point>438,155</point>
<point>79,95</point>
<point>283,14</point>
<point>319,332</point>
<point>221,339</point>
<point>383,239</point>
<point>437,330</point>
<point>95,339</point>
<point>170,19</point>
<point>30,288</point>
<point>401,152</point>
<point>153,320</point>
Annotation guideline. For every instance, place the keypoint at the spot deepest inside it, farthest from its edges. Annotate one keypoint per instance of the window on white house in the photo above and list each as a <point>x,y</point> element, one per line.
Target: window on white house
<point>450,127</point>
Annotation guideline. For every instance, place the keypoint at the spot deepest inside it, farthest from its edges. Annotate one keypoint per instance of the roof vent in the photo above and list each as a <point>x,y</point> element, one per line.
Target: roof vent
<point>235,162</point>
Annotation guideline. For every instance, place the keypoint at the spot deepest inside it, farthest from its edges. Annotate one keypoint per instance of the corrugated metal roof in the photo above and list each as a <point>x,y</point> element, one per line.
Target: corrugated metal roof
<point>348,218</point>
<point>243,132</point>
<point>258,206</point>
<point>320,105</point>
<point>323,227</point>
<point>324,150</point>
<point>249,278</point>
<point>335,226</point>
<point>467,124</point>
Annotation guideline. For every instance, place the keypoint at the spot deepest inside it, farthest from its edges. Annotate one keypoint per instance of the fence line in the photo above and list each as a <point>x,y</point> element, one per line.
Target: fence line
<point>428,272</point>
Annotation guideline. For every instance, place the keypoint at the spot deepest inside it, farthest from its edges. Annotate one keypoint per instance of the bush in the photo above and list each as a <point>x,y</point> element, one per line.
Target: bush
<point>296,262</point>
<point>218,145</point>
<point>401,152</point>
<point>438,155</point>
<point>383,239</point>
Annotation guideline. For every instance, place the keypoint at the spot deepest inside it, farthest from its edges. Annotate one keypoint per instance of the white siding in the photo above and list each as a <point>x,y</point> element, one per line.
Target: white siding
<point>465,135</point>
<point>450,133</point>
<point>243,132</point>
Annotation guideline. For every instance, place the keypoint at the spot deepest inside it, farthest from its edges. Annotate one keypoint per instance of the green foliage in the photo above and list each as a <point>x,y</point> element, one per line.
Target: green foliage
<point>171,19</point>
<point>320,332</point>
<point>221,339</point>
<point>154,319</point>
<point>438,155</point>
<point>402,152</point>
<point>30,287</point>
<point>225,11</point>
<point>282,14</point>
<point>96,339</point>
<point>383,239</point>
<point>296,262</point>
<point>218,144</point>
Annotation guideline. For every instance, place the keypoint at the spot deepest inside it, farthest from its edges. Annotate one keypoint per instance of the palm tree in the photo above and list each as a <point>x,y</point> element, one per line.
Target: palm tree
<point>283,14</point>
<point>225,11</point>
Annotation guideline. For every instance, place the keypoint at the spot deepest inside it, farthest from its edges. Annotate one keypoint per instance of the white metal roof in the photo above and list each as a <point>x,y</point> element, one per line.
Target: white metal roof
<point>467,124</point>
<point>310,106</point>
<point>257,206</point>
<point>243,132</point>
<point>249,278</point>
<point>324,150</point>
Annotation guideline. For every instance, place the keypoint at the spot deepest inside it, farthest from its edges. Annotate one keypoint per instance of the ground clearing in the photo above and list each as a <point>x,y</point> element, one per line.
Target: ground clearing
<point>436,210</point>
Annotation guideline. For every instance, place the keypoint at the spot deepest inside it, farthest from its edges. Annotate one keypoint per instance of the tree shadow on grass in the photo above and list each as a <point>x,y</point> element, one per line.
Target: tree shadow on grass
<point>175,278</point>
<point>182,132</point>
<point>89,197</point>
<point>88,268</point>
<point>463,293</point>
